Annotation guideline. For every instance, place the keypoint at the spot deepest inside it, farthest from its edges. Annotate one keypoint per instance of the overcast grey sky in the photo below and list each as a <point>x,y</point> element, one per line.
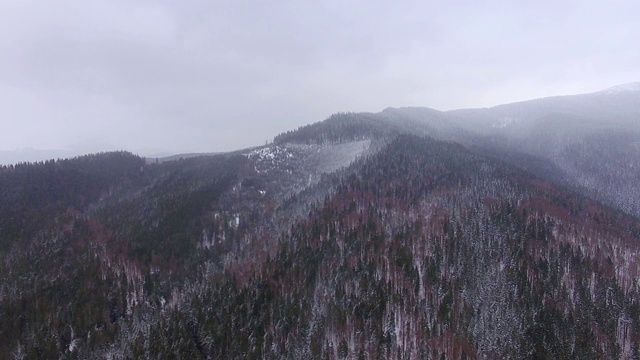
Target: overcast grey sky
<point>199,76</point>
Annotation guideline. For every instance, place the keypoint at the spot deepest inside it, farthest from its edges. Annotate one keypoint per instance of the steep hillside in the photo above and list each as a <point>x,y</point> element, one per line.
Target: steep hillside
<point>32,195</point>
<point>589,141</point>
<point>593,139</point>
<point>89,244</point>
<point>406,234</point>
<point>421,249</point>
<point>428,251</point>
<point>617,106</point>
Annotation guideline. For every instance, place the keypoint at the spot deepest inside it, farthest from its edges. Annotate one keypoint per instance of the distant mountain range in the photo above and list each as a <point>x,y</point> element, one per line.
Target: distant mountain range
<point>510,232</point>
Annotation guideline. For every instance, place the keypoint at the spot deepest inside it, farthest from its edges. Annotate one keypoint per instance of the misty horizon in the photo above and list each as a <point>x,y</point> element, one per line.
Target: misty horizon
<point>34,154</point>
<point>161,78</point>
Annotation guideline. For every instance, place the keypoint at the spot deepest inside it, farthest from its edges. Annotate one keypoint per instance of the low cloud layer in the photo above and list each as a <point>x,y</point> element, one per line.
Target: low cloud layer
<point>192,76</point>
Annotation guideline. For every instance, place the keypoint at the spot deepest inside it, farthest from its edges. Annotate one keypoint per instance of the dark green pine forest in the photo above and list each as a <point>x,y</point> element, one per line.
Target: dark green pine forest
<point>405,234</point>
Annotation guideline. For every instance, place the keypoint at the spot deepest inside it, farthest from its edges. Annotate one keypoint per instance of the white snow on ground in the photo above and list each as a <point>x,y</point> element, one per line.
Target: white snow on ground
<point>270,152</point>
<point>270,157</point>
<point>317,159</point>
<point>304,164</point>
<point>504,122</point>
<point>334,157</point>
<point>72,345</point>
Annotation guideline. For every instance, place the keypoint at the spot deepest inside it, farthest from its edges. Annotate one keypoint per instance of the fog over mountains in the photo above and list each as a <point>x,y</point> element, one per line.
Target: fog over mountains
<point>582,105</point>
<point>412,233</point>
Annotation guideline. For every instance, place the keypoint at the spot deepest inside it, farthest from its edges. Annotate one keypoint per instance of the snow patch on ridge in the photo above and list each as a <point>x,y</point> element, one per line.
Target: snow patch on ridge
<point>270,152</point>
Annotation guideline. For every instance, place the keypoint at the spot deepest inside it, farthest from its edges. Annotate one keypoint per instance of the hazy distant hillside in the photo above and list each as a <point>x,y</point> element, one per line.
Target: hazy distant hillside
<point>592,138</point>
<point>357,126</point>
<point>617,106</point>
<point>589,141</point>
<point>504,233</point>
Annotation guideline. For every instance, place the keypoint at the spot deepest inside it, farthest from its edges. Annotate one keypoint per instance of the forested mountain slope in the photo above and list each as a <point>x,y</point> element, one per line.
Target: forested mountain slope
<point>594,139</point>
<point>407,234</point>
<point>90,243</point>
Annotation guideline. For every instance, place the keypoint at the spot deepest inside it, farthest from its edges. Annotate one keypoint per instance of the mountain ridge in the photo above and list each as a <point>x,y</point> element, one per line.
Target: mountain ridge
<point>400,234</point>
